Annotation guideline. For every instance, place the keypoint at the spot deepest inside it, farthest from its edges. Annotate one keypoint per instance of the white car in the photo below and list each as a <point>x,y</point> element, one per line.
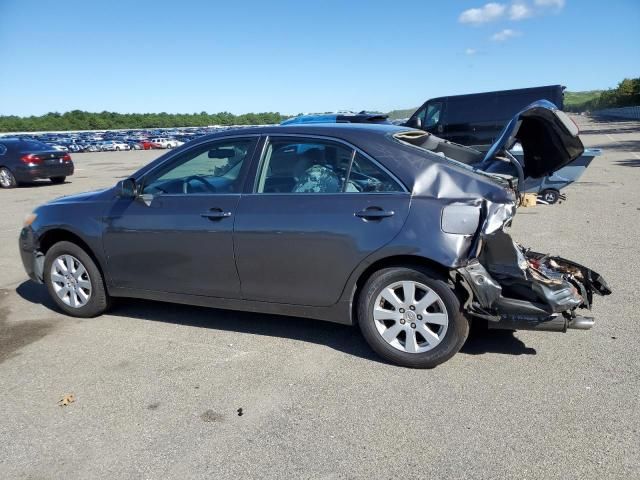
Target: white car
<point>112,145</point>
<point>163,142</point>
<point>60,148</point>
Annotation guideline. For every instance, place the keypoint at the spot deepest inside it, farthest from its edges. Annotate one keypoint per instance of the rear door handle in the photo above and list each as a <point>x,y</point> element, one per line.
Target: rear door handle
<point>215,214</point>
<point>374,213</point>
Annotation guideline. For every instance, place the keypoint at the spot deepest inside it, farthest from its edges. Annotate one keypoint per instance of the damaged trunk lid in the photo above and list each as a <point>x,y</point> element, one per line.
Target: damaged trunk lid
<point>549,141</point>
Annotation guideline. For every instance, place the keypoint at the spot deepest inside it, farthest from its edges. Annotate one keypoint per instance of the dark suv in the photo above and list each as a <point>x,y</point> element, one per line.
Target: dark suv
<point>25,160</point>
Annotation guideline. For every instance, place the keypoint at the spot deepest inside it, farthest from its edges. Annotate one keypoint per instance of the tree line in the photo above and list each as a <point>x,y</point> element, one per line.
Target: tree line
<point>626,94</point>
<point>81,120</point>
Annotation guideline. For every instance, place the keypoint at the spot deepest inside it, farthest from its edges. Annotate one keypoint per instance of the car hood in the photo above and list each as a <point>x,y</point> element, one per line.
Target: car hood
<point>548,137</point>
<point>81,197</point>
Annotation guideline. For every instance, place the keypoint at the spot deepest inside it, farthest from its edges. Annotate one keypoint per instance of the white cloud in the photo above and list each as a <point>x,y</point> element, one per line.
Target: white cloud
<point>550,3</point>
<point>470,51</point>
<point>504,35</point>
<point>487,13</point>
<point>519,11</point>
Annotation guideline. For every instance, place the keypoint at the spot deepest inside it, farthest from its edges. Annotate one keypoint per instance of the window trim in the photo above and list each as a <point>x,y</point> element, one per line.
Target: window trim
<point>355,151</point>
<point>175,155</point>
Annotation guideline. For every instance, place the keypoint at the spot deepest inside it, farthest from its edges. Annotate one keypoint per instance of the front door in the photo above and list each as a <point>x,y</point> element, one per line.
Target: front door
<point>177,236</point>
<point>317,210</point>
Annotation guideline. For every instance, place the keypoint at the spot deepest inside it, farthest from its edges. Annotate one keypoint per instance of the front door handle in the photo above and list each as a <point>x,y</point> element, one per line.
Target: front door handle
<point>215,214</point>
<point>374,213</point>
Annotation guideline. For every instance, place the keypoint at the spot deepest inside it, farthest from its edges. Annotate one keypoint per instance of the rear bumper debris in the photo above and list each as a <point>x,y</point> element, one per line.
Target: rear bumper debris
<point>514,288</point>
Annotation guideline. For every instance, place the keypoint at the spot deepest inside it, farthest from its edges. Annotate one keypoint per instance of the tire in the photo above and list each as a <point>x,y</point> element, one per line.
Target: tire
<point>57,180</point>
<point>7,179</point>
<point>117,149</point>
<point>445,339</point>
<point>98,299</point>
<point>550,196</point>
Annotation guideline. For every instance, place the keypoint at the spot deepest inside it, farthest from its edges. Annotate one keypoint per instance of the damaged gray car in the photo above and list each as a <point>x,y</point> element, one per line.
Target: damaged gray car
<point>386,227</point>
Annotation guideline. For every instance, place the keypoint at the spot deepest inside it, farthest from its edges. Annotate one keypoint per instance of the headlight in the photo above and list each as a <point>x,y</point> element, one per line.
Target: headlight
<point>29,219</point>
<point>460,219</point>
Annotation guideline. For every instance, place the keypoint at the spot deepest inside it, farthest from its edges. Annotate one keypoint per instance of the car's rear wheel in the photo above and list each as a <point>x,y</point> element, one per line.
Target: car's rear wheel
<point>117,149</point>
<point>7,179</point>
<point>411,317</point>
<point>57,180</point>
<point>74,281</point>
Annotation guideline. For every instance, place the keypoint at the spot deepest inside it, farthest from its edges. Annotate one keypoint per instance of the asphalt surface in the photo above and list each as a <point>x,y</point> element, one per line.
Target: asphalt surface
<point>158,386</point>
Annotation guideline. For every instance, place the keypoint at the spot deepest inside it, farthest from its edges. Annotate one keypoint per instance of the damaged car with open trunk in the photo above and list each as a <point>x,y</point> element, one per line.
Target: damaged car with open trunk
<point>388,228</point>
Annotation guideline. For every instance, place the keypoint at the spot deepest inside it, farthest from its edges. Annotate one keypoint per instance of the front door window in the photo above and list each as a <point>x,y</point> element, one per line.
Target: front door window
<point>210,168</point>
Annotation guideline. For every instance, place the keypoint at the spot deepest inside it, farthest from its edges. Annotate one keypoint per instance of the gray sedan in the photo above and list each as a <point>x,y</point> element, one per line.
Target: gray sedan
<point>386,227</point>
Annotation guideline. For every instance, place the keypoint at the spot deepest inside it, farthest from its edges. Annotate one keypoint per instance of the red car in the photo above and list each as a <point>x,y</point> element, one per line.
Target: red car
<point>146,145</point>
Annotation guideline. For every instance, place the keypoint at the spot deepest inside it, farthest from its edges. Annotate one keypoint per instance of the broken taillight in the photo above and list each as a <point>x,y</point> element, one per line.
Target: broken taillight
<point>31,159</point>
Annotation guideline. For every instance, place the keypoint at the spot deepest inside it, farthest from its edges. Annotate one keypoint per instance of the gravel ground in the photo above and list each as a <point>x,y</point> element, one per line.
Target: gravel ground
<point>158,386</point>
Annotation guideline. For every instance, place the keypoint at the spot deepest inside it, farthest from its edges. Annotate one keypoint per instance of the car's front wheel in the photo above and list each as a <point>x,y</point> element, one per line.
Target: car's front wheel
<point>7,179</point>
<point>74,281</point>
<point>411,317</point>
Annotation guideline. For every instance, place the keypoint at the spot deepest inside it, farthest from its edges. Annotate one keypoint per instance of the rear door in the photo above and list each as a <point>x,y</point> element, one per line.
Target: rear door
<point>318,208</point>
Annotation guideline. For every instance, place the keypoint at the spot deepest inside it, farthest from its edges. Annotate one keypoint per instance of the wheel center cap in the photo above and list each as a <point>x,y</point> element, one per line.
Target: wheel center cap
<point>409,316</point>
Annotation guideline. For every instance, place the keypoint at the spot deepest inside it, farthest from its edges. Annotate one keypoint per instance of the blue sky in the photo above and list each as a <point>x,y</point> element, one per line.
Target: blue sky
<point>302,56</point>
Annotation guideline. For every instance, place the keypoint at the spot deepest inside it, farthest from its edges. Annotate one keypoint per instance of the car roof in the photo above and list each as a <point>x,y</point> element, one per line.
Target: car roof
<point>344,131</point>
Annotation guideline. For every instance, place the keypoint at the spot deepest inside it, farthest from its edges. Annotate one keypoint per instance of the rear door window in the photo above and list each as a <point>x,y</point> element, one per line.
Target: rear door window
<point>367,176</point>
<point>303,165</point>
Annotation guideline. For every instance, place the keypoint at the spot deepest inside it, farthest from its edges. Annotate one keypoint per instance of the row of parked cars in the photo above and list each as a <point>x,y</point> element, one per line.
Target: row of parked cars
<point>78,145</point>
<point>25,158</point>
<point>110,141</point>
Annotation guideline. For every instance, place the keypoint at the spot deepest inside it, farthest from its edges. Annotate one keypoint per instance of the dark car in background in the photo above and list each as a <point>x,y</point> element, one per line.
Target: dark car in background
<point>386,227</point>
<point>344,117</point>
<point>26,160</point>
<point>478,118</point>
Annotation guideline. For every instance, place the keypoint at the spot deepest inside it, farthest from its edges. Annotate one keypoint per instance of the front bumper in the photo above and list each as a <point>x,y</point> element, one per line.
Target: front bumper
<point>28,173</point>
<point>32,258</point>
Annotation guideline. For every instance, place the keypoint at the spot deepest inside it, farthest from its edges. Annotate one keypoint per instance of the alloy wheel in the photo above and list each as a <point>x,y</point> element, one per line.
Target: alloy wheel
<point>70,281</point>
<point>6,179</point>
<point>410,316</point>
<point>550,196</point>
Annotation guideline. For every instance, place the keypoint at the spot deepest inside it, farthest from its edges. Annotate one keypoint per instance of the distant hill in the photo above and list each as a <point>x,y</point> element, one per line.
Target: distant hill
<point>397,114</point>
<point>573,101</point>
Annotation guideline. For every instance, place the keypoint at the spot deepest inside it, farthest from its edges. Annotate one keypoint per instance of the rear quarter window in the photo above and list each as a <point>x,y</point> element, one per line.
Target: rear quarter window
<point>33,145</point>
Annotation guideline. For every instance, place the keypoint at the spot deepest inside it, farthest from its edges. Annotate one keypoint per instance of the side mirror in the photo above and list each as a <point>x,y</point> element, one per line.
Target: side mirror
<point>414,122</point>
<point>127,188</point>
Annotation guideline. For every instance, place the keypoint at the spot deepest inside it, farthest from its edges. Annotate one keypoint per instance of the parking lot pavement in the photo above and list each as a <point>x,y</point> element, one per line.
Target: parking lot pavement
<point>158,386</point>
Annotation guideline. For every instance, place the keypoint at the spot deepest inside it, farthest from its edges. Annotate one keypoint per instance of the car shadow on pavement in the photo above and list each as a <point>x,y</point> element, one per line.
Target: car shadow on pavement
<point>41,183</point>
<point>629,163</point>
<point>339,337</point>
<point>482,340</point>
